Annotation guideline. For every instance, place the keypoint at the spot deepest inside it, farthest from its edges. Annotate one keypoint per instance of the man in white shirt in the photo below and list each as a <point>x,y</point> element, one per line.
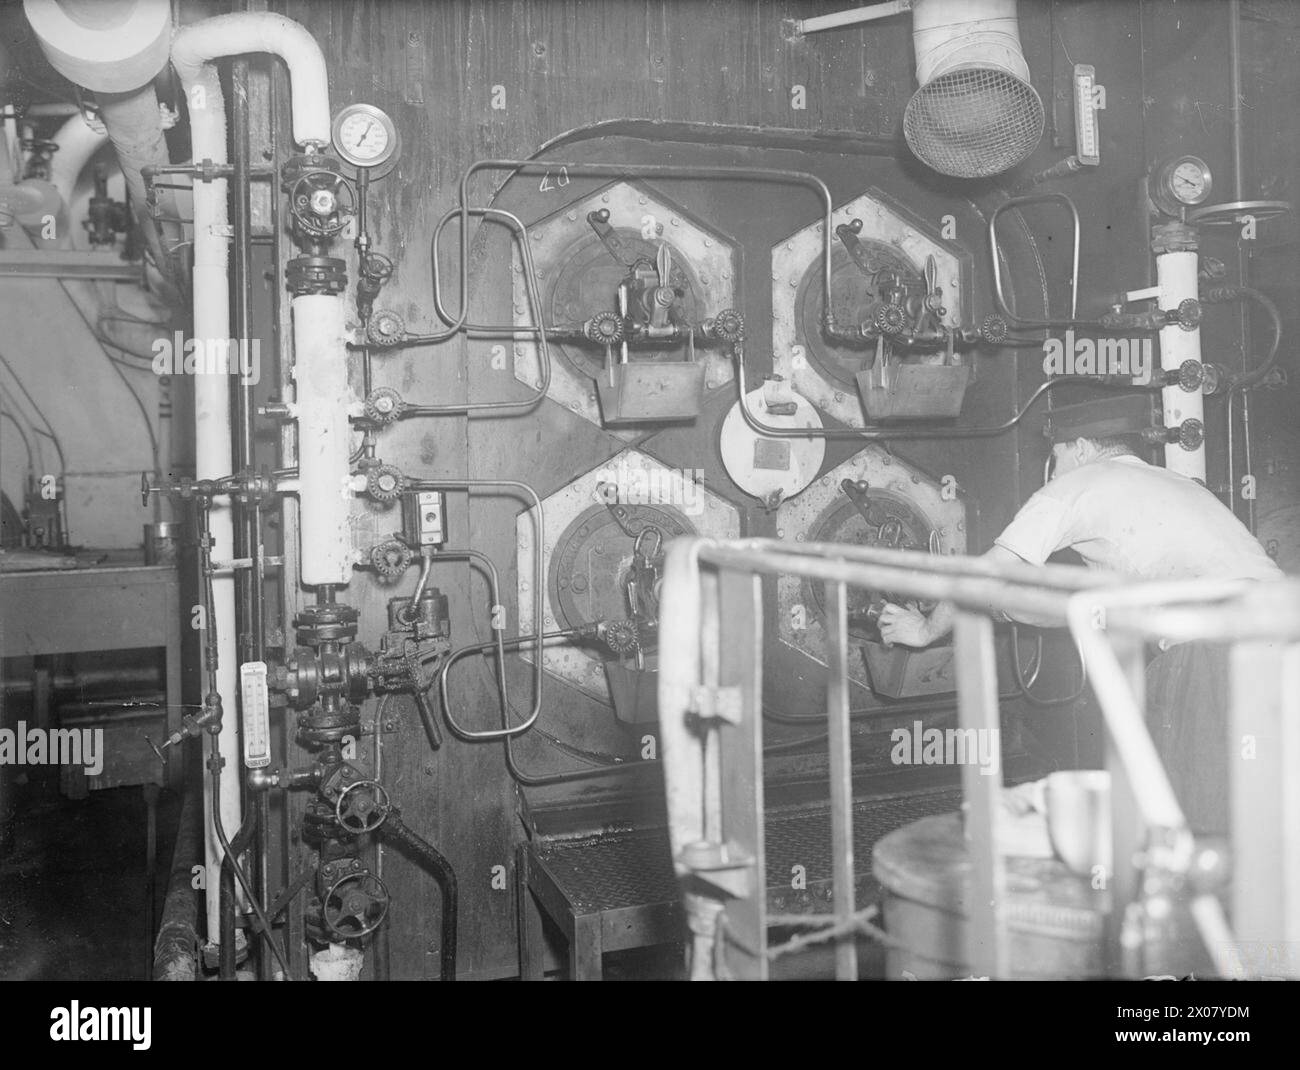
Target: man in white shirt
<point>1145,523</point>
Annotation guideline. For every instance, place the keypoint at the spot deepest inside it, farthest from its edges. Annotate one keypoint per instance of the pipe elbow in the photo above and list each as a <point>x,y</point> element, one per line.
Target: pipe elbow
<point>198,45</point>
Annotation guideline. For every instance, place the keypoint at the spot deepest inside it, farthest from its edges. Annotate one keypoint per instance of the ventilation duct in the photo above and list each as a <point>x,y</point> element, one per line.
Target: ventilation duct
<point>975,113</point>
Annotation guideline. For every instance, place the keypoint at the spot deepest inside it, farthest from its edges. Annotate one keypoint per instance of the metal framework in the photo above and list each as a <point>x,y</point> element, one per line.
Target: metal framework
<point>711,744</point>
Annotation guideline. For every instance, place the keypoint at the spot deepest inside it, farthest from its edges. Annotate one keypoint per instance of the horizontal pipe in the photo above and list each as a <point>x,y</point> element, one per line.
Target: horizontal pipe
<point>853,17</point>
<point>66,264</point>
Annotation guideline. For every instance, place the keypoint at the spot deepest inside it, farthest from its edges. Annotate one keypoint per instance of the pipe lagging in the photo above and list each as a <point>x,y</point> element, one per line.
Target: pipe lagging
<point>193,51</point>
<point>244,33</point>
<point>135,129</point>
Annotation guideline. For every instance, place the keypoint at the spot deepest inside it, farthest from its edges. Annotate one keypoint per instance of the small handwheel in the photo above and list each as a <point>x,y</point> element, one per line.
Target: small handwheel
<point>362,807</point>
<point>354,905</point>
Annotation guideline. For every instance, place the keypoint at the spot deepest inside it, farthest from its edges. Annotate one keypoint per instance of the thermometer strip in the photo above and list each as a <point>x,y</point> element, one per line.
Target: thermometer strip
<point>1087,135</point>
<point>256,708</point>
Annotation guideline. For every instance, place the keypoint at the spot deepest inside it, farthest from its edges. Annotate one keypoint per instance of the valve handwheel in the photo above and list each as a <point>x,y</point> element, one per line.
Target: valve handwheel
<point>385,328</point>
<point>729,326</point>
<point>994,329</point>
<point>390,559</point>
<point>384,406</point>
<point>605,328</point>
<point>354,905</point>
<point>385,483</point>
<point>890,319</point>
<point>362,806</point>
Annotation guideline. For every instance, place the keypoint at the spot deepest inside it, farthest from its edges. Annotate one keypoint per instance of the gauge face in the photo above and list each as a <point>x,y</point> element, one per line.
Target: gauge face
<point>364,135</point>
<point>1181,183</point>
<point>1190,181</point>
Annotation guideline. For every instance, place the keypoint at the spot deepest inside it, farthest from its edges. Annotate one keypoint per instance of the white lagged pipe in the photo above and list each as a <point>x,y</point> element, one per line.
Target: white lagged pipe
<point>1177,279</point>
<point>194,51</point>
<point>320,374</point>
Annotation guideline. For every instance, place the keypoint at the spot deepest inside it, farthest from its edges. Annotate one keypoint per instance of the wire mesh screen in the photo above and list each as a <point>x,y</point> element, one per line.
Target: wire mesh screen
<point>973,122</point>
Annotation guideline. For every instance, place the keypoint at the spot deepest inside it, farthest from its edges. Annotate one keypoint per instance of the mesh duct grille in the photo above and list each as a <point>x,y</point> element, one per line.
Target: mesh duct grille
<point>973,122</point>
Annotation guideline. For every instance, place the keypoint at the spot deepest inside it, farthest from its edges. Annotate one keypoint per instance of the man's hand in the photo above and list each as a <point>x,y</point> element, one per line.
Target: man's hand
<point>907,626</point>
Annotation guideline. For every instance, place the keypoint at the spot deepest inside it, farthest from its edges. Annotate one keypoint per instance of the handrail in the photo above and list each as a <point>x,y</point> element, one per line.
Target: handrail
<point>710,701</point>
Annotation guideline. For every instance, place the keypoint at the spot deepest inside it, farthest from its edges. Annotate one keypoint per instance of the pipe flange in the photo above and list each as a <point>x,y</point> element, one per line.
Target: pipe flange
<point>385,482</point>
<point>890,319</point>
<point>316,275</point>
<point>384,406</point>
<point>993,330</point>
<point>390,559</point>
<point>385,328</point>
<point>729,326</point>
<point>604,328</point>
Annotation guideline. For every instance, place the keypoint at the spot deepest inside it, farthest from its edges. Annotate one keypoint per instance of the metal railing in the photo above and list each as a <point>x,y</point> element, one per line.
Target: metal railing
<point>710,684</point>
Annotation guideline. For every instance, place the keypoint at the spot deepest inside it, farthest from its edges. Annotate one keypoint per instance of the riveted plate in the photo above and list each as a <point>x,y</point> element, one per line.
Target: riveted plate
<point>818,513</point>
<point>578,277</point>
<point>651,490</point>
<point>821,372</point>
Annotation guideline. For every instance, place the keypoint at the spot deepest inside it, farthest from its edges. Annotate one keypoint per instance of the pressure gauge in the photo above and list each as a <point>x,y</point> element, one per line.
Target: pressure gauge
<point>364,136</point>
<point>1180,183</point>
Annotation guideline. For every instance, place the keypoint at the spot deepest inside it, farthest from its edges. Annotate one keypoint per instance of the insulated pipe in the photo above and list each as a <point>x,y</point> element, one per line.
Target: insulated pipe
<point>1177,279</point>
<point>320,375</point>
<point>115,48</point>
<point>194,51</point>
<point>78,142</point>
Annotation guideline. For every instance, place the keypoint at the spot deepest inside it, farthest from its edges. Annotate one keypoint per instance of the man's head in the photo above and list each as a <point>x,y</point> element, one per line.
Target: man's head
<point>1075,453</point>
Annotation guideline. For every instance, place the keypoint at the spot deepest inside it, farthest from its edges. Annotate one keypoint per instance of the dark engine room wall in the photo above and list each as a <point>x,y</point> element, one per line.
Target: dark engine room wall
<point>472,80</point>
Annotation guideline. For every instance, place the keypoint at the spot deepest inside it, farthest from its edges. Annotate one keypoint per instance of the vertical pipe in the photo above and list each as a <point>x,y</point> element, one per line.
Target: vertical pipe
<point>841,773</point>
<point>1243,270</point>
<point>977,708</point>
<point>1176,275</point>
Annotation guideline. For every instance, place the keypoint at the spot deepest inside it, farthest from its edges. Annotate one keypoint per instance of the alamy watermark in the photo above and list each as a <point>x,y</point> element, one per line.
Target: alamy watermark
<point>53,746</point>
<point>627,483</point>
<point>919,745</point>
<point>1072,355</point>
<point>179,355</point>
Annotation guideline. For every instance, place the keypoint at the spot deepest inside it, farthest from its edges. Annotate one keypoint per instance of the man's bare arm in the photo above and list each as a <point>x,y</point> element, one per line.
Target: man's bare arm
<point>910,627</point>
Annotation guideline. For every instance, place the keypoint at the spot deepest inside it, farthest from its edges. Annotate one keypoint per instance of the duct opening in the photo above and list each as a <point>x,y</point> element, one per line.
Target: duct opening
<point>973,122</point>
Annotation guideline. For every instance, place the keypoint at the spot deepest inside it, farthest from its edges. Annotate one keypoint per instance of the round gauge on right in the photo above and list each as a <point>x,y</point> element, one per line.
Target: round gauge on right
<point>1180,183</point>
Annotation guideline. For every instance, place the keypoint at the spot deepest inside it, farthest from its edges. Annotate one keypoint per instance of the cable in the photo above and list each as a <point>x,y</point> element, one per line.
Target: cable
<point>50,434</point>
<point>1025,687</point>
<point>27,443</point>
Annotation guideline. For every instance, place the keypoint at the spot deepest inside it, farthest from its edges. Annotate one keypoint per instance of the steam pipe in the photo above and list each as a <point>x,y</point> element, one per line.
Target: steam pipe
<point>194,51</point>
<point>436,863</point>
<point>115,48</point>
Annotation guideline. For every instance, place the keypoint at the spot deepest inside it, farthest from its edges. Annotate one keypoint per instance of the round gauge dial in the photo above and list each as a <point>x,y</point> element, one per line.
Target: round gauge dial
<point>1181,183</point>
<point>364,136</point>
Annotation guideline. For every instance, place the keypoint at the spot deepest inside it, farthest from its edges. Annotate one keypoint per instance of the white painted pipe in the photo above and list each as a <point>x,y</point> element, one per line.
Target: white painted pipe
<point>194,51</point>
<point>115,48</point>
<point>1177,281</point>
<point>78,142</point>
<point>320,374</point>
<point>856,16</point>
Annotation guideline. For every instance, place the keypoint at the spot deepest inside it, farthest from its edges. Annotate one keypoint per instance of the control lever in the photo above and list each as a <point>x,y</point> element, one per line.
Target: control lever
<point>599,222</point>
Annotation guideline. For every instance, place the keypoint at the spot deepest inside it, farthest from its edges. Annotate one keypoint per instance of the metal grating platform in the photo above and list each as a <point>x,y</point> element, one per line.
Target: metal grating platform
<point>633,869</point>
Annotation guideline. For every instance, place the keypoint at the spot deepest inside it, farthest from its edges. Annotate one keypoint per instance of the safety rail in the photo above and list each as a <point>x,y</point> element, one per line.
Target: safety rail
<point>710,684</point>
